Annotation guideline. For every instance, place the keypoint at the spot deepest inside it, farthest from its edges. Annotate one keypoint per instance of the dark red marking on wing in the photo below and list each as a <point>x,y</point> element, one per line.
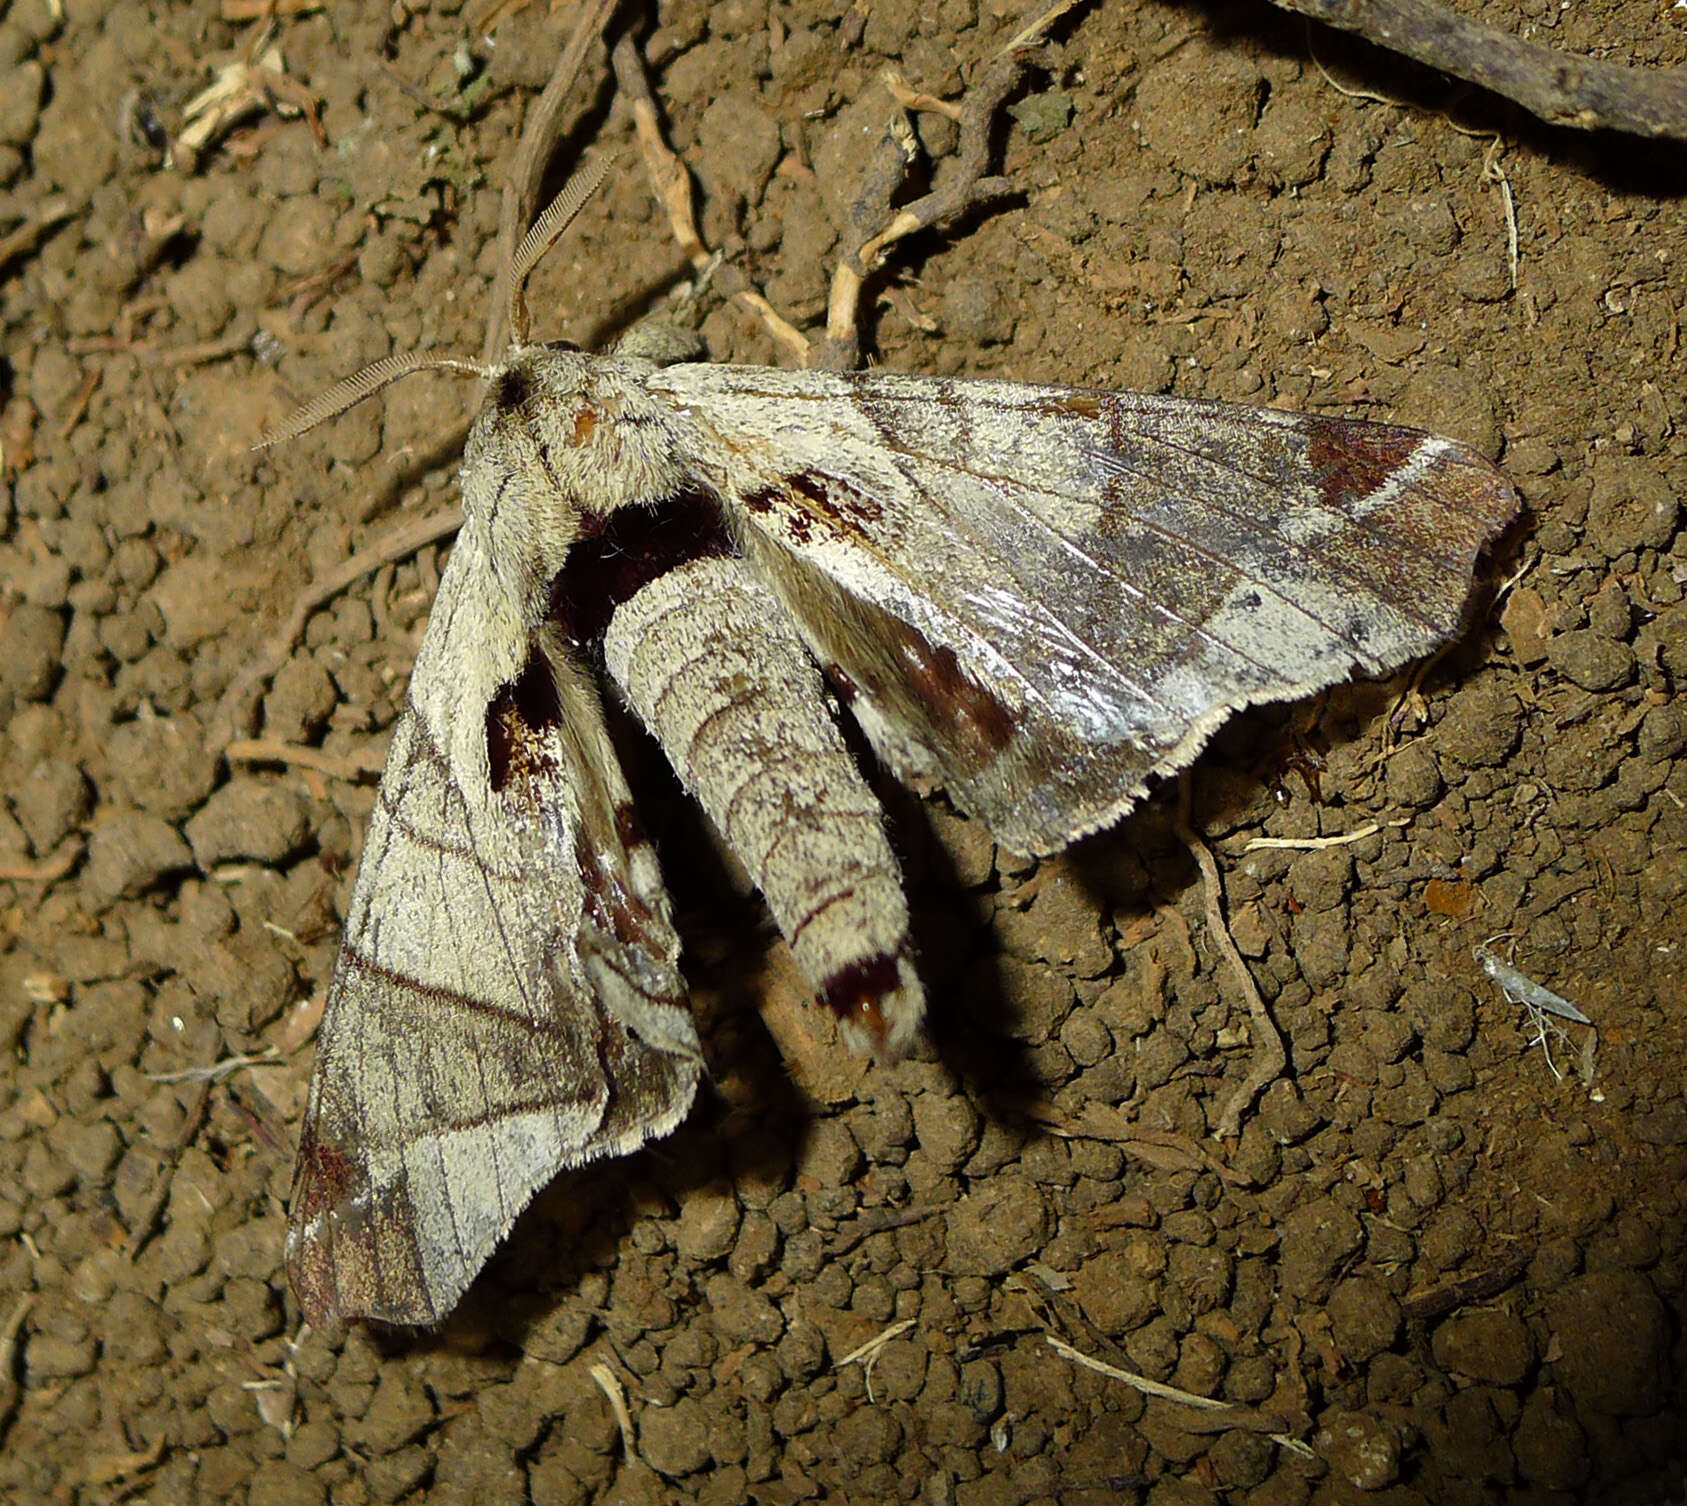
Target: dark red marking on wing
<point>1351,461</point>
<point>846,689</point>
<point>516,722</point>
<point>611,903</point>
<point>843,504</point>
<point>806,500</point>
<point>621,553</point>
<point>365,1259</point>
<point>970,715</point>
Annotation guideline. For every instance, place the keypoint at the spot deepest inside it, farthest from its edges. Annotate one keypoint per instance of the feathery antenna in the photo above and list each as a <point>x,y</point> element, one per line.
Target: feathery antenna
<point>547,230</point>
<point>352,391</point>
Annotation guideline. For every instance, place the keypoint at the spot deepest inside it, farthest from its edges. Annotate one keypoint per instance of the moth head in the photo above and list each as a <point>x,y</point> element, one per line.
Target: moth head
<point>564,444</point>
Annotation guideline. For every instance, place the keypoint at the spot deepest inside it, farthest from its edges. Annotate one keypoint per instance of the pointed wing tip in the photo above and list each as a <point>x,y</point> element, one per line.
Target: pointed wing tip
<point>352,1254</point>
<point>1479,486</point>
<point>340,1280</point>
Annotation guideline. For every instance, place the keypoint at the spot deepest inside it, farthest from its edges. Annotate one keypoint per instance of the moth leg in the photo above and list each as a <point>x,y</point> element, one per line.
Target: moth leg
<point>710,661</point>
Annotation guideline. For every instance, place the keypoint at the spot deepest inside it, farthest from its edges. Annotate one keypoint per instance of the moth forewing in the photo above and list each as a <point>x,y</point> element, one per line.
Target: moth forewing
<point>507,1001</point>
<point>1052,595</point>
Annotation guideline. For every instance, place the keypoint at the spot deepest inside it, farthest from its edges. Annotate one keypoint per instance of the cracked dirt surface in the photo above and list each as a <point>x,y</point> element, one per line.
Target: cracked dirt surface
<point>1435,1267</point>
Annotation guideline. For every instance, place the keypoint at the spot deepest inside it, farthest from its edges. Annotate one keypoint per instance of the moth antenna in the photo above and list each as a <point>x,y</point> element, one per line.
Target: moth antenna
<point>366,383</point>
<point>546,231</point>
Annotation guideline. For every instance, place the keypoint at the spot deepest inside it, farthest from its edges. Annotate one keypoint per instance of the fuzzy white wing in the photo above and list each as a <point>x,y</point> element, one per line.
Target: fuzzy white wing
<point>1044,596</point>
<point>506,1001</point>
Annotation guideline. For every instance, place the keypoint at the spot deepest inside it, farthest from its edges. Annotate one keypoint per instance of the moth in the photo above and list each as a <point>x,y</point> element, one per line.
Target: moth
<point>1041,598</point>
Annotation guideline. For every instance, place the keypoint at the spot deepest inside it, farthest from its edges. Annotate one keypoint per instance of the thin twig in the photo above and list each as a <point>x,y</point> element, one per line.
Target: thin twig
<point>1039,28</point>
<point>47,870</point>
<point>197,353</point>
<point>217,1070</point>
<point>1269,1056</point>
<point>868,1353</point>
<point>1585,93</point>
<point>404,540</point>
<point>874,1344</point>
<point>967,186</point>
<point>1165,1150</point>
<point>1209,1415</point>
<point>79,404</point>
<point>1492,172</point>
<point>33,231</point>
<point>10,1390</point>
<point>672,186</point>
<point>272,750</point>
<point>1317,844</point>
<point>878,1221</point>
<point>1131,1378</point>
<point>611,1387</point>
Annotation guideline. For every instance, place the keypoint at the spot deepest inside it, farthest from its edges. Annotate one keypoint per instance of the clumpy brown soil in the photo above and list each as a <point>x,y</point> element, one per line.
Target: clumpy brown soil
<point>1436,1267</point>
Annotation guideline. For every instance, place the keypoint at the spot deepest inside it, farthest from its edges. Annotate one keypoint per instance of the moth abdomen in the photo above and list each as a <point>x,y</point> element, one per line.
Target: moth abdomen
<point>717,673</point>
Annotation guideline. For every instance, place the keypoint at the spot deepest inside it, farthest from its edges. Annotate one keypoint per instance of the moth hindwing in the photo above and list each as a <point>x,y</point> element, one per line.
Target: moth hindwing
<point>1042,597</point>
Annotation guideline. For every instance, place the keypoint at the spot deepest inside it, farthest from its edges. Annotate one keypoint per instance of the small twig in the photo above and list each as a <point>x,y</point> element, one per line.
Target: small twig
<point>197,352</point>
<point>262,10</point>
<point>1346,91</point>
<point>1584,93</point>
<point>911,98</point>
<point>1429,1303</point>
<point>272,750</point>
<point>1039,28</point>
<point>1209,1415</point>
<point>33,231</point>
<point>873,1345</point>
<point>668,177</point>
<point>318,281</point>
<point>868,1353</point>
<point>1492,172</point>
<point>218,1070</point>
<point>611,1387</point>
<point>1166,1150</point>
<point>404,540</point>
<point>458,115</point>
<point>79,405</point>
<point>967,186</point>
<point>878,1221</point>
<point>1269,1056</point>
<point>1317,844</point>
<point>1131,1378</point>
<point>47,870</point>
<point>10,1390</point>
<point>672,186</point>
